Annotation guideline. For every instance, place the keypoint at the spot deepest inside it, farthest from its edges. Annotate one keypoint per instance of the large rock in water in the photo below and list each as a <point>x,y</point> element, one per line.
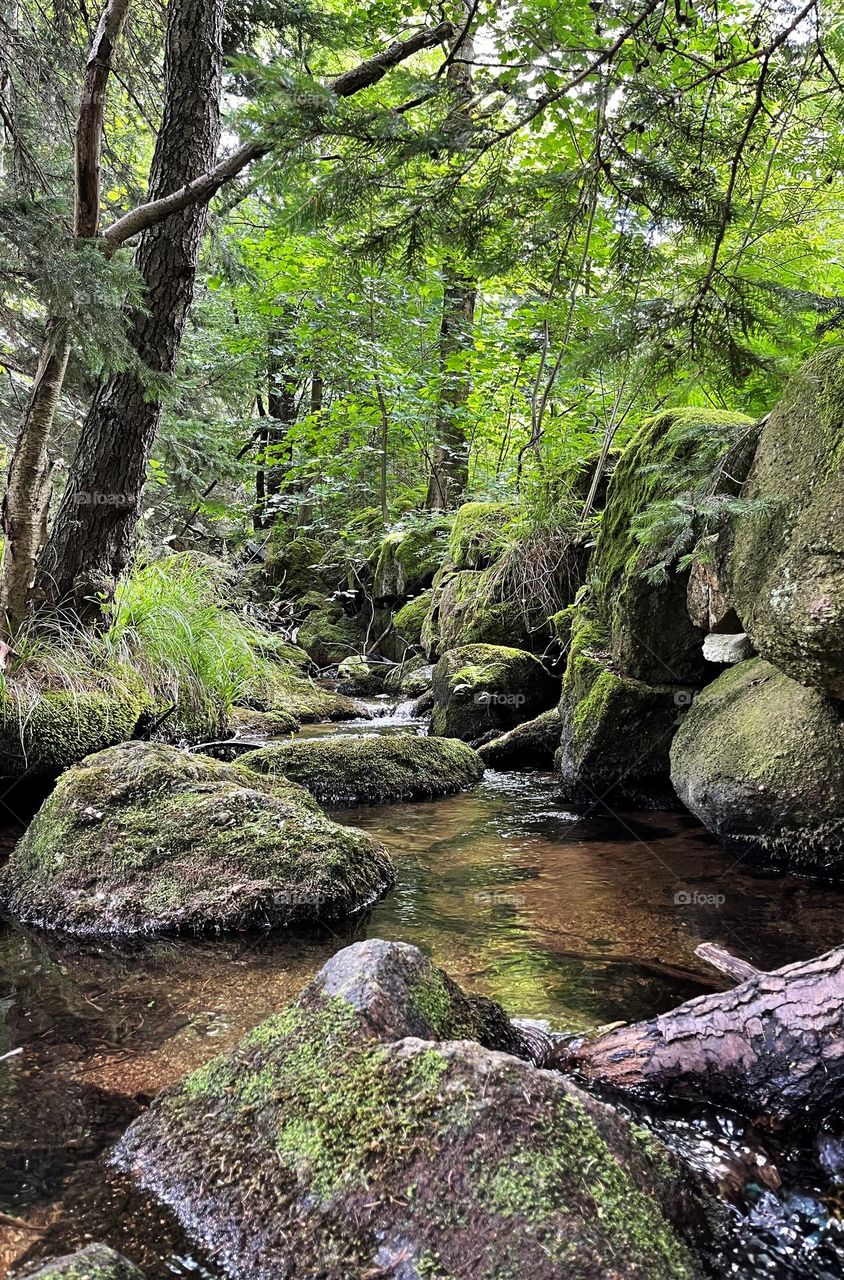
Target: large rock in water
<point>787,564</point>
<point>651,636</point>
<point>145,838</point>
<point>483,687</point>
<point>759,759</point>
<point>96,1262</point>
<point>371,769</point>
<point>529,745</point>
<point>615,731</point>
<point>381,1126</point>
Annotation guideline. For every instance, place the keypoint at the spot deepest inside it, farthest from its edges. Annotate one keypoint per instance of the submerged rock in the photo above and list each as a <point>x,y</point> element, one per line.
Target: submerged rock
<point>96,1262</point>
<point>787,563</point>
<point>371,770</point>
<point>144,838</point>
<point>759,759</point>
<point>529,746</point>
<point>382,1126</point>
<point>481,687</point>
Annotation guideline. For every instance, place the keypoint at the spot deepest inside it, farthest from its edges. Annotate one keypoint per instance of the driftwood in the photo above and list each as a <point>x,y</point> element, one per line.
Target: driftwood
<point>772,1048</point>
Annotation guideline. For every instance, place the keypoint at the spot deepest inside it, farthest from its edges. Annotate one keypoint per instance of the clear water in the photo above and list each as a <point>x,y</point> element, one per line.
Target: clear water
<point>578,918</point>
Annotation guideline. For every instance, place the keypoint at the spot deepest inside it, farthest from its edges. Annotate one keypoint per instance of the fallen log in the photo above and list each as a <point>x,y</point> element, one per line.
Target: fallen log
<point>772,1048</point>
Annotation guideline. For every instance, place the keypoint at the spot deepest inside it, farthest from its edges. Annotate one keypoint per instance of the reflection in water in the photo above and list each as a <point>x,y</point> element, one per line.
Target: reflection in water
<point>580,919</point>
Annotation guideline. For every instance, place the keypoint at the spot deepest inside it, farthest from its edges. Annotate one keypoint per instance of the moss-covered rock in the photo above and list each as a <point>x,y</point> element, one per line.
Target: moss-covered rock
<point>412,678</point>
<point>529,746</point>
<point>480,533</point>
<point>291,567</point>
<point>408,559</point>
<point>470,613</point>
<point>284,692</point>
<point>381,1125</point>
<point>408,622</point>
<point>328,635</point>
<point>44,731</point>
<point>759,759</point>
<point>616,732</point>
<point>373,769</point>
<point>267,724</point>
<point>652,637</point>
<point>481,687</point>
<point>96,1262</point>
<point>144,838</point>
<point>359,675</point>
<point>786,568</point>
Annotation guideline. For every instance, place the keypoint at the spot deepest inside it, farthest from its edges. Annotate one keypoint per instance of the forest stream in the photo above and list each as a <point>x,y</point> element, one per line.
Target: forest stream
<point>577,918</point>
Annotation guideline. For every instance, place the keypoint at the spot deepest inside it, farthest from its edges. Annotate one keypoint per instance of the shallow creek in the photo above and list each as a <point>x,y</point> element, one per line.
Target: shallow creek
<point>580,918</point>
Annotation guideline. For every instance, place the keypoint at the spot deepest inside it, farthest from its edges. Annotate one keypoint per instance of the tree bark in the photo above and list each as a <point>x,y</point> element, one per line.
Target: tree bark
<point>772,1047</point>
<point>92,536</point>
<point>93,533</point>
<point>450,458</point>
<point>27,501</point>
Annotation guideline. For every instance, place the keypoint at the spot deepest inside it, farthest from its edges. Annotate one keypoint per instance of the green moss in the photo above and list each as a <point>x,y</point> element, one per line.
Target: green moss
<point>480,687</point>
<point>410,619</point>
<point>143,838</point>
<point>291,567</point>
<point>470,613</point>
<point>371,769</point>
<point>49,730</point>
<point>409,558</point>
<point>480,533</point>
<point>268,724</point>
<point>328,635</point>
<point>96,1262</point>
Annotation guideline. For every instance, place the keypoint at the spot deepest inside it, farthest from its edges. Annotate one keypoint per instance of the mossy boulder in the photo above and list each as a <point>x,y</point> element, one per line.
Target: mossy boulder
<point>267,724</point>
<point>480,533</point>
<point>144,838</point>
<point>652,638</point>
<point>284,692</point>
<point>412,678</point>
<point>408,559</point>
<point>359,675</point>
<point>483,687</point>
<point>328,635</point>
<point>44,731</point>
<point>759,759</point>
<point>291,568</point>
<point>471,613</point>
<point>371,769</point>
<point>408,622</point>
<point>616,732</point>
<point>382,1125</point>
<point>529,746</point>
<point>96,1262</point>
<point>786,567</point>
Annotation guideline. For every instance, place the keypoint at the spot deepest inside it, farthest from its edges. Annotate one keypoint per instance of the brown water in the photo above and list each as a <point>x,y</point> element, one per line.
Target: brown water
<point>576,918</point>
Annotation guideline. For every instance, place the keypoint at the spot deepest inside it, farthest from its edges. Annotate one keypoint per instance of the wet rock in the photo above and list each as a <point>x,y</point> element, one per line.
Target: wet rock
<point>371,769</point>
<point>411,678</point>
<point>359,675</point>
<point>96,1262</point>
<point>759,759</point>
<point>480,687</point>
<point>144,838</point>
<point>480,533</point>
<point>267,724</point>
<point>382,1125</point>
<point>727,650</point>
<point>615,731</point>
<point>787,561</point>
<point>529,746</point>
<point>651,636</point>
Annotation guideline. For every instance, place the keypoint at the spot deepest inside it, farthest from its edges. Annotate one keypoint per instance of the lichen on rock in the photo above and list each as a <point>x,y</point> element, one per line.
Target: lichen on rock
<point>146,839</point>
<point>483,687</point>
<point>759,759</point>
<point>382,1124</point>
<point>371,769</point>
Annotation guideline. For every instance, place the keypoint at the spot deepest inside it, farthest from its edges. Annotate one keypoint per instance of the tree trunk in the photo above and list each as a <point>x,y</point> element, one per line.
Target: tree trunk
<point>26,504</point>
<point>772,1047</point>
<point>92,538</point>
<point>306,508</point>
<point>450,459</point>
